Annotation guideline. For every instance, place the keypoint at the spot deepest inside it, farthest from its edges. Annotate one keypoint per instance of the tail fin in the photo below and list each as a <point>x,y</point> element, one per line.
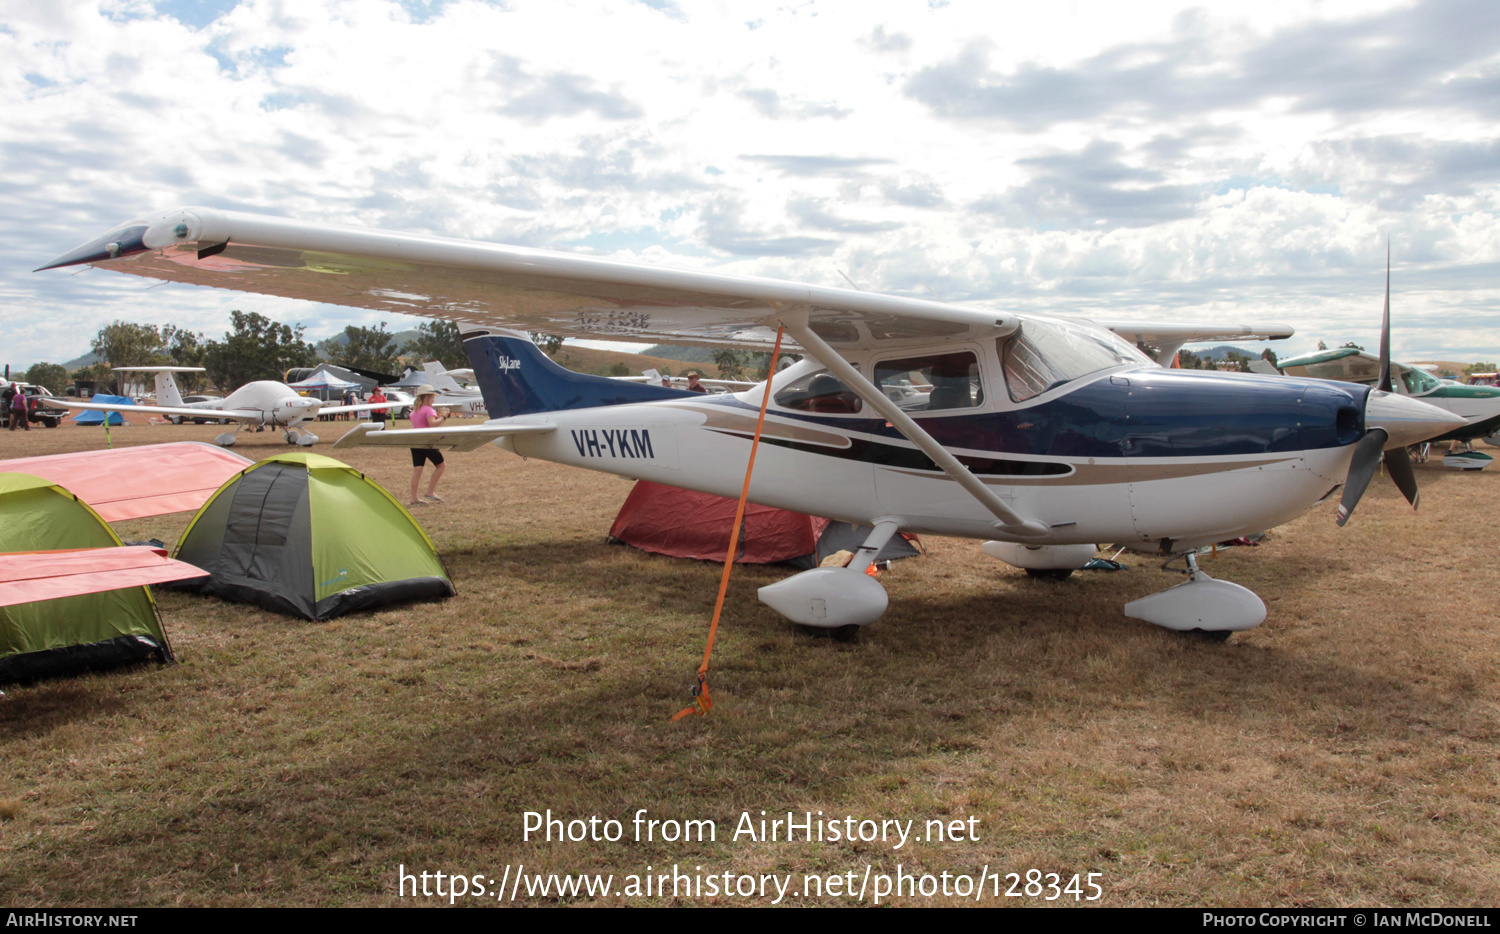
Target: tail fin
<point>166,391</point>
<point>516,378</point>
<point>437,376</point>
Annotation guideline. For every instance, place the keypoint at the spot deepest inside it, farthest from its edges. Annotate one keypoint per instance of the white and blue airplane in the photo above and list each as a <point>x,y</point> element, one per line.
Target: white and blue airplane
<point>256,405</point>
<point>1039,435</point>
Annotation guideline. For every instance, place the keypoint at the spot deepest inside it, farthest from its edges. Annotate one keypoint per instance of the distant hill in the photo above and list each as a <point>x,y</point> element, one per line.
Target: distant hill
<point>686,354</point>
<point>588,360</point>
<point>1222,351</point>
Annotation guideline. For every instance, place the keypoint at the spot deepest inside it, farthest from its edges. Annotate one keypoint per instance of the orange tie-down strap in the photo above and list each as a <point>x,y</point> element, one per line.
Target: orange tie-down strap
<point>702,703</point>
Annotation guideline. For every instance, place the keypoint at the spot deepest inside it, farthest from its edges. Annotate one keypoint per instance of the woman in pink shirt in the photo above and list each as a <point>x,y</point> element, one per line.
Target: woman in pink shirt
<point>423,415</point>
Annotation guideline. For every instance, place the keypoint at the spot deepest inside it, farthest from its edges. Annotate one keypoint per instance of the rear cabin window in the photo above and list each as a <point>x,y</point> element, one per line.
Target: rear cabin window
<point>932,382</point>
<point>819,391</point>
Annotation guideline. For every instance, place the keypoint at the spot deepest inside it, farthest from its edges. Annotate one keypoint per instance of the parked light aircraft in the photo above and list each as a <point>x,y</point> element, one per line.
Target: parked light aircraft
<point>1041,434</point>
<point>451,395</point>
<point>258,404</point>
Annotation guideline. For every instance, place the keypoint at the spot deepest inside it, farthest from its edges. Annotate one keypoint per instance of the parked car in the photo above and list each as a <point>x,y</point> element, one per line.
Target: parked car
<point>38,411</point>
<point>401,403</point>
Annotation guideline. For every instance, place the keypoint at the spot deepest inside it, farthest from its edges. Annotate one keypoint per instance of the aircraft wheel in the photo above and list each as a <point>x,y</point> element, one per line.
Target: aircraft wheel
<point>291,435</point>
<point>175,419</point>
<point>1212,635</point>
<point>1050,574</point>
<point>849,633</point>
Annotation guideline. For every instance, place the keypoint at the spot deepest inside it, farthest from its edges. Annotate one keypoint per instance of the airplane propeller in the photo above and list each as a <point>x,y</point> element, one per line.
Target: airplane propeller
<point>1371,448</point>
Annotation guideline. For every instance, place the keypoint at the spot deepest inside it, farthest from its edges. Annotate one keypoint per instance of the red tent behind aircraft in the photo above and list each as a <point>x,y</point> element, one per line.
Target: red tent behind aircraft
<point>667,520</point>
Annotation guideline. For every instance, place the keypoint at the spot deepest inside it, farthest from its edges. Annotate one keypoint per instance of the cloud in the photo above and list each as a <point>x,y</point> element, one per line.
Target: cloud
<point>723,227</point>
<point>770,103</point>
<point>1408,57</point>
<point>814,213</point>
<point>1400,172</point>
<point>809,166</point>
<point>881,41</point>
<point>913,192</point>
<point>1093,187</point>
<point>559,94</point>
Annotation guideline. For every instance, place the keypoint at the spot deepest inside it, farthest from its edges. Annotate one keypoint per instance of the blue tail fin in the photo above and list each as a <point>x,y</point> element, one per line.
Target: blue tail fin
<point>516,378</point>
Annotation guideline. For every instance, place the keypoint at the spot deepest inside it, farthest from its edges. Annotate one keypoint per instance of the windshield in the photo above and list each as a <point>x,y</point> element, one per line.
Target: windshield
<point>1419,382</point>
<point>1045,354</point>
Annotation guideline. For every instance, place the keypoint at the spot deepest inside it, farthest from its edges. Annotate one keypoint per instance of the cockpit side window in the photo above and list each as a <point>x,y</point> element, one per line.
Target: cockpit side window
<point>1419,382</point>
<point>931,382</point>
<point>819,391</point>
<point>1045,354</point>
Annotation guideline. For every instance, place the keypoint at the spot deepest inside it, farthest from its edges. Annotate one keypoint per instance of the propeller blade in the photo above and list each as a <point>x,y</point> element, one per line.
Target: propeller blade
<point>1361,469</point>
<point>1398,462</point>
<point>1385,328</point>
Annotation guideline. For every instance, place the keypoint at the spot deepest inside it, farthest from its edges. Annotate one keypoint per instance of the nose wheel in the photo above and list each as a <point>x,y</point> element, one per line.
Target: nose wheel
<point>1201,605</point>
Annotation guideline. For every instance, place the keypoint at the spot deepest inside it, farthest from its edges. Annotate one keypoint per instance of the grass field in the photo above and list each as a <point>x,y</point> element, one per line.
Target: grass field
<point>1344,753</point>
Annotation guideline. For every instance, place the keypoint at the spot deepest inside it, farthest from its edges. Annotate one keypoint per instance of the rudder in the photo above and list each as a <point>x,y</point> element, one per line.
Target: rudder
<point>516,378</point>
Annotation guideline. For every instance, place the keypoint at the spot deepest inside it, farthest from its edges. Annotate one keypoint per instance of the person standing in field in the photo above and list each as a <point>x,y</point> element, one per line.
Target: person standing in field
<point>378,414</point>
<point>423,415</point>
<point>19,411</point>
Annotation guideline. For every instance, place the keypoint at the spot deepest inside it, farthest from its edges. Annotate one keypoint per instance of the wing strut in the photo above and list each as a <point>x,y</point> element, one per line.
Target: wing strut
<point>1010,523</point>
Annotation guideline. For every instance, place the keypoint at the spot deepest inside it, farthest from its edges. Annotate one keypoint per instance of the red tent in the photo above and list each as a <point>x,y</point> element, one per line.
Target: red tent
<point>667,520</point>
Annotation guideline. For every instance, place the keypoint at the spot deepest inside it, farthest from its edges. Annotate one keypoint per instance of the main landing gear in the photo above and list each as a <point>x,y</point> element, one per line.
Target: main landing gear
<point>835,598</point>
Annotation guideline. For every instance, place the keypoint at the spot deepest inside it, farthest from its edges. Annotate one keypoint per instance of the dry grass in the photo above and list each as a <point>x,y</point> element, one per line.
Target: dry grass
<point>1344,753</point>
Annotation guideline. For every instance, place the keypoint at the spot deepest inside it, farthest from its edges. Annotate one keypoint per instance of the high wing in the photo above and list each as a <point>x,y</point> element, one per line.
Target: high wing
<point>1342,363</point>
<point>488,284</point>
<point>466,438</point>
<point>1168,337</point>
<point>236,414</point>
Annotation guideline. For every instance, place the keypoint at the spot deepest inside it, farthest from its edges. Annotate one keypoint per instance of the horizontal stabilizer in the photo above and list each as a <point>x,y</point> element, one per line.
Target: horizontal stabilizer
<point>449,439</point>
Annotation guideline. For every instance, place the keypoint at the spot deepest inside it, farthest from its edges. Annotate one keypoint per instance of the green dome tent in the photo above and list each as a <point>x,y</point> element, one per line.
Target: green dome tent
<point>310,536</point>
<point>69,634</point>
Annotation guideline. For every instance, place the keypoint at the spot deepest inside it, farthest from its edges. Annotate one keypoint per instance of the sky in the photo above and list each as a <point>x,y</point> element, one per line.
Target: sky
<point>1232,162</point>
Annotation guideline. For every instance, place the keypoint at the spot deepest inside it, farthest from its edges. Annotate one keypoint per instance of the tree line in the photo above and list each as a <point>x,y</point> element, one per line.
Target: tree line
<point>254,348</point>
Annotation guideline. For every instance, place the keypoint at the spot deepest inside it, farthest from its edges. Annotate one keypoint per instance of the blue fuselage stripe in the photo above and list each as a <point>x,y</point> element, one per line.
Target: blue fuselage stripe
<point>1145,413</point>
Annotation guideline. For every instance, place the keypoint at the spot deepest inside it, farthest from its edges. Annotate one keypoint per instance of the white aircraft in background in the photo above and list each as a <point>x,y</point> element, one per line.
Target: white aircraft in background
<point>1041,434</point>
<point>450,394</point>
<point>263,403</point>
